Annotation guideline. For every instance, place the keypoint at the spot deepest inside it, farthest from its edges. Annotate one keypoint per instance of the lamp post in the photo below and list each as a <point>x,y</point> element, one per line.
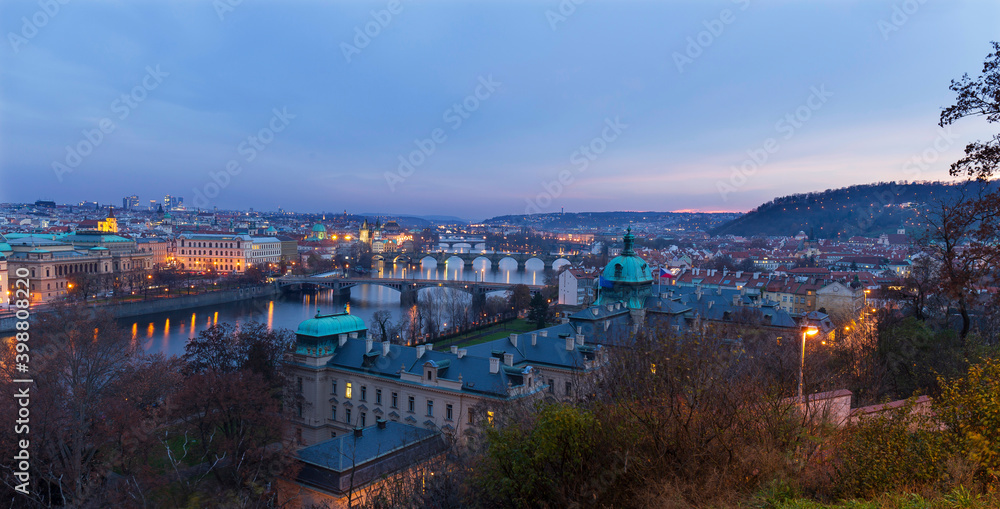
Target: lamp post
<point>808,331</point>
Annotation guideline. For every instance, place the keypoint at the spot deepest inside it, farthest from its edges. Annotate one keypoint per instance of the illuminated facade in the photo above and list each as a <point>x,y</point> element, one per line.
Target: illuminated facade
<point>110,224</point>
<point>53,265</point>
<point>225,253</point>
<point>4,285</point>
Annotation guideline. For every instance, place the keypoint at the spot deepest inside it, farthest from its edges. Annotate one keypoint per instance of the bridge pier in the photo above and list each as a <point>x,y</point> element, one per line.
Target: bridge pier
<point>408,297</point>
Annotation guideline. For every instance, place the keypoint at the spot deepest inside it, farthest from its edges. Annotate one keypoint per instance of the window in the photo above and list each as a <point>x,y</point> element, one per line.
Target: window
<point>333,387</point>
<point>378,396</point>
<point>430,375</point>
<point>569,387</point>
<point>347,415</point>
<point>489,417</point>
<point>363,416</point>
<point>448,411</point>
<point>410,405</point>
<point>333,413</point>
<point>472,419</point>
<point>347,391</point>
<point>395,400</point>
<point>298,409</point>
<point>430,408</point>
<point>552,386</point>
<point>298,385</point>
<point>364,393</point>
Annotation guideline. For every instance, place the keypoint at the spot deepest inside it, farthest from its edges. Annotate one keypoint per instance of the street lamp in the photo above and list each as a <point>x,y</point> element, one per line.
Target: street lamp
<point>812,330</point>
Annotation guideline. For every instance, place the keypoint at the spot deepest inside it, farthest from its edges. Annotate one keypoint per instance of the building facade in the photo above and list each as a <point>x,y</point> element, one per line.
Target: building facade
<point>346,381</point>
<point>225,252</point>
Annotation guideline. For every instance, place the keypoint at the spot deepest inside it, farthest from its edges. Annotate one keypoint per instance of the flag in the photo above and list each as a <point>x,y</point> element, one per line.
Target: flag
<point>665,273</point>
<point>604,283</point>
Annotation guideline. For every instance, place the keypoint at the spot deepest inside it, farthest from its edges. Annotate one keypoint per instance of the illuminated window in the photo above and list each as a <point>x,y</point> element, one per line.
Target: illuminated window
<point>347,391</point>
<point>489,417</point>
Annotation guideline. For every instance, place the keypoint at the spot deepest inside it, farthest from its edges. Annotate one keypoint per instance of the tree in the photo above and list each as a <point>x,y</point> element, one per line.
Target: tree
<point>80,364</point>
<point>539,310</point>
<point>381,325</point>
<point>226,348</point>
<point>520,297</point>
<point>976,97</point>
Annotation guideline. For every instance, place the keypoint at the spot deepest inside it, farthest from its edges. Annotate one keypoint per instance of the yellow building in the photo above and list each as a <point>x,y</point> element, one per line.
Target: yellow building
<point>110,224</point>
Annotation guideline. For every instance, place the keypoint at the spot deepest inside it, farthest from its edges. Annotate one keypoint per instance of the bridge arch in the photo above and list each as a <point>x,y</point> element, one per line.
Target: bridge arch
<point>559,262</point>
<point>535,262</point>
<point>427,260</point>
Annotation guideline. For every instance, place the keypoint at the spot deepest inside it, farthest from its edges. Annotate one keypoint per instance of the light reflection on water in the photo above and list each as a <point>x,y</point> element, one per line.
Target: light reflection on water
<point>287,311</point>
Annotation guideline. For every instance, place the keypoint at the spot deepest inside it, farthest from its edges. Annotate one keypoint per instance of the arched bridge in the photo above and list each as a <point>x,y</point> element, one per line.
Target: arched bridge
<point>468,258</point>
<point>407,288</point>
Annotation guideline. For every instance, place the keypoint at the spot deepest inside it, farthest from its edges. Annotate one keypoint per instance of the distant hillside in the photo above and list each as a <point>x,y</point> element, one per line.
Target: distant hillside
<point>690,221</point>
<point>864,210</point>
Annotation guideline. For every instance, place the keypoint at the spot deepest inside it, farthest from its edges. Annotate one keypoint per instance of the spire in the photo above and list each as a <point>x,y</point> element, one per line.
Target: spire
<point>628,239</point>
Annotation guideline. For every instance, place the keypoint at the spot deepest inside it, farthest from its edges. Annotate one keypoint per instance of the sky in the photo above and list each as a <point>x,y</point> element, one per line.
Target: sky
<point>476,109</point>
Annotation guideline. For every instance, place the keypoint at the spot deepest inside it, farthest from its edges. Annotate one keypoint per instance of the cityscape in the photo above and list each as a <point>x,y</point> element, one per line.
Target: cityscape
<point>527,254</point>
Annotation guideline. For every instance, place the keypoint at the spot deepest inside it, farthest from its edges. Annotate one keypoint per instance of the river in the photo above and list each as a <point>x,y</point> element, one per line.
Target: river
<point>169,332</point>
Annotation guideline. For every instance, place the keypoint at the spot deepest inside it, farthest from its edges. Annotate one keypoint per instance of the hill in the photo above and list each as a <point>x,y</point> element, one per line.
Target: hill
<point>688,221</point>
<point>865,210</point>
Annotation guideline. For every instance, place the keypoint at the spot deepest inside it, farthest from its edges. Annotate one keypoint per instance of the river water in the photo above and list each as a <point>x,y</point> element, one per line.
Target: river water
<point>169,332</point>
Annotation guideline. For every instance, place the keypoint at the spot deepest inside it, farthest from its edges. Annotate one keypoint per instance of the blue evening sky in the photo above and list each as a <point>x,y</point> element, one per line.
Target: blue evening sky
<point>866,80</point>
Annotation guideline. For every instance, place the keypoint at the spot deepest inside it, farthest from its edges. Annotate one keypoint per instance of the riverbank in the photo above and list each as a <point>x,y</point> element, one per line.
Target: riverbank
<point>162,305</point>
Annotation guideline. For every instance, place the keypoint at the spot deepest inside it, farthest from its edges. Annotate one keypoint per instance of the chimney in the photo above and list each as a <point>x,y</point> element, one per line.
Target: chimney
<point>534,339</point>
<point>461,352</point>
<point>543,333</point>
<point>756,275</point>
<point>508,359</point>
<point>380,423</point>
<point>513,340</point>
<point>420,351</point>
<point>579,339</point>
<point>354,335</point>
<point>368,345</point>
<point>595,311</point>
<point>739,274</point>
<point>430,347</point>
<point>342,339</point>
<point>494,365</point>
<point>710,304</point>
<point>579,329</point>
<point>454,349</point>
<point>358,432</point>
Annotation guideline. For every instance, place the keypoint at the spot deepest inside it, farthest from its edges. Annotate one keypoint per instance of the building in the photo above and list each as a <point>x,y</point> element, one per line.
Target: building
<point>576,286</point>
<point>345,380</point>
<point>225,252</point>
<point>159,248</point>
<point>110,224</point>
<point>353,465</point>
<point>95,261</point>
<point>130,202</point>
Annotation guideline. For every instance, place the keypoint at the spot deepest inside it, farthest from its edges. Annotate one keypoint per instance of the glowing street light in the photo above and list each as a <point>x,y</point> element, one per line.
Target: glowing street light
<point>812,330</point>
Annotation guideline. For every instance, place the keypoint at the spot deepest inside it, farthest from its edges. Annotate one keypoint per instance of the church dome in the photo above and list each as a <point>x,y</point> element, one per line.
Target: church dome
<point>628,267</point>
<point>318,228</point>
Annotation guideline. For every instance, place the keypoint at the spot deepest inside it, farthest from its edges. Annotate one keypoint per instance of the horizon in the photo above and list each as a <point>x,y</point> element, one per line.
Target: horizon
<point>437,110</point>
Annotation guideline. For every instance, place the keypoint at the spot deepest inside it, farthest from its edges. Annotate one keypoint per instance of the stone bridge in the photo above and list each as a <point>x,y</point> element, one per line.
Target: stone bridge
<point>468,258</point>
<point>407,288</point>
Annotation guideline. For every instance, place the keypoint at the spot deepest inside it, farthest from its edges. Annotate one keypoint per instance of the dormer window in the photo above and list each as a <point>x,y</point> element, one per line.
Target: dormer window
<point>618,270</point>
<point>430,375</point>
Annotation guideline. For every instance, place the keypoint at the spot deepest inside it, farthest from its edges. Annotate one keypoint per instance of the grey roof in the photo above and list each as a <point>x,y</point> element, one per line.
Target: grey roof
<point>348,451</point>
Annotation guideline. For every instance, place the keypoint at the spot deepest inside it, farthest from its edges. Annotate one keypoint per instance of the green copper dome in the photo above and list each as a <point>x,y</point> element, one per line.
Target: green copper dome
<point>319,228</point>
<point>628,267</point>
<point>330,325</point>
